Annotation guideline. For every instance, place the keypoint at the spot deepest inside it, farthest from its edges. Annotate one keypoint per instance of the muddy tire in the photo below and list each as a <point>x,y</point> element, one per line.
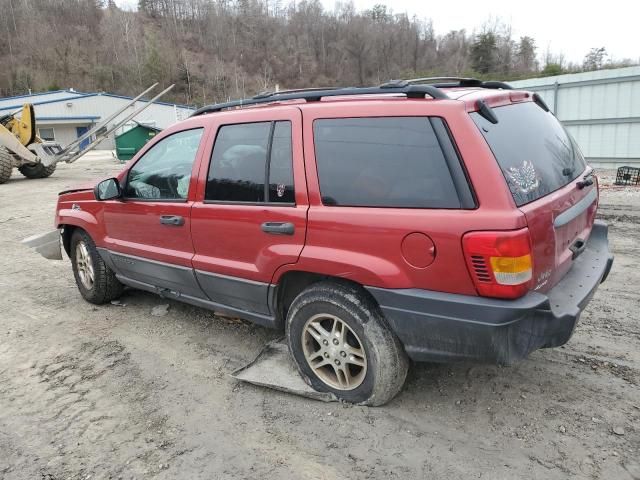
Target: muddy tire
<point>341,344</point>
<point>6,165</point>
<point>96,281</point>
<point>36,170</point>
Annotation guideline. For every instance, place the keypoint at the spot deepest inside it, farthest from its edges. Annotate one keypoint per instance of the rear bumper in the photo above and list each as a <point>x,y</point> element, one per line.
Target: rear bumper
<point>442,327</point>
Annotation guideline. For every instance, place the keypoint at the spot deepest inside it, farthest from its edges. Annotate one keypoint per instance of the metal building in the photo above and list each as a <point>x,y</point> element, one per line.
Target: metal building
<point>64,115</point>
<point>601,109</point>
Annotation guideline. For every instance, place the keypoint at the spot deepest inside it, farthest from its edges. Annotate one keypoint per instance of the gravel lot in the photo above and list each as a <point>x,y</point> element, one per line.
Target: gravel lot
<point>115,392</point>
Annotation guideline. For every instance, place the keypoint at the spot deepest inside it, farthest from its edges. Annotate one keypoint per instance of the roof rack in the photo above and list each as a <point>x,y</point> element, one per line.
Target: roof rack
<point>413,88</point>
<point>315,95</point>
<point>452,82</point>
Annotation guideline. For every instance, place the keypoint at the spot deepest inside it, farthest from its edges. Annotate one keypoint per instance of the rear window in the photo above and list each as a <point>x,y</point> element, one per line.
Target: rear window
<point>536,154</point>
<point>382,162</point>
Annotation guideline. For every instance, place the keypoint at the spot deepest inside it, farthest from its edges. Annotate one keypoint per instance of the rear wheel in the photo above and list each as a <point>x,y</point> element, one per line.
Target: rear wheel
<point>96,281</point>
<point>36,170</point>
<point>6,165</point>
<point>342,345</point>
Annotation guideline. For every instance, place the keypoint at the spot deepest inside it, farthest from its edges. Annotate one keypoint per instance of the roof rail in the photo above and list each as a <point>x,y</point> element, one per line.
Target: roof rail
<point>315,95</point>
<point>270,93</point>
<point>452,82</point>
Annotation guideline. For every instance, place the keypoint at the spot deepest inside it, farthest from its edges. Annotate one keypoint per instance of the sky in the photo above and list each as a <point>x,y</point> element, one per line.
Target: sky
<point>567,27</point>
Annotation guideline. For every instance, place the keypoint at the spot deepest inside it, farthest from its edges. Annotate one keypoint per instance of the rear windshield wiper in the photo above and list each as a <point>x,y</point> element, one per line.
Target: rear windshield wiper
<point>586,180</point>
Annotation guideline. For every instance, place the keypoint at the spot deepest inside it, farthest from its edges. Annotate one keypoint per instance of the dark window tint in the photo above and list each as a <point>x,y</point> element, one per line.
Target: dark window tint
<point>164,171</point>
<point>536,154</point>
<point>382,162</point>
<point>239,163</point>
<point>281,165</point>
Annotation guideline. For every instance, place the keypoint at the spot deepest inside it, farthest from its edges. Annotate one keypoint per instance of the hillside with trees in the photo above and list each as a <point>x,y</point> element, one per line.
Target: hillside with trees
<point>219,49</point>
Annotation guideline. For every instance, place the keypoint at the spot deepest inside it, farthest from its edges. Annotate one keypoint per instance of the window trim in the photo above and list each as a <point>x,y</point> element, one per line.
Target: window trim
<point>53,131</point>
<point>249,204</point>
<point>267,169</point>
<point>448,157</point>
<point>125,184</point>
<point>457,168</point>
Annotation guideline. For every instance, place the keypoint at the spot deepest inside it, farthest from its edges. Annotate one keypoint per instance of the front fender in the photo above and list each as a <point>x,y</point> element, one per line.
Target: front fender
<point>79,219</point>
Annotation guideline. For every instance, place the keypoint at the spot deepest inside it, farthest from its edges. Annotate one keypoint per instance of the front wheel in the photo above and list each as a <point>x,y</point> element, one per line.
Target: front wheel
<point>342,345</point>
<point>6,165</point>
<point>36,170</point>
<point>96,281</point>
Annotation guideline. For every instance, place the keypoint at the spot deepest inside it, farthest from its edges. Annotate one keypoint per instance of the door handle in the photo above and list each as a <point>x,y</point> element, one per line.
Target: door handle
<point>171,220</point>
<point>278,228</point>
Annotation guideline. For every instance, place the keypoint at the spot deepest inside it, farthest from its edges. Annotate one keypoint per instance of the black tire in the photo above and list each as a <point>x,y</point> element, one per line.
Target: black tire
<point>36,170</point>
<point>385,360</point>
<point>6,165</point>
<point>105,286</point>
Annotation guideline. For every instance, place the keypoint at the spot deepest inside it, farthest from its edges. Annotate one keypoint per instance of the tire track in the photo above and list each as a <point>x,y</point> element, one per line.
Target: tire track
<point>92,404</point>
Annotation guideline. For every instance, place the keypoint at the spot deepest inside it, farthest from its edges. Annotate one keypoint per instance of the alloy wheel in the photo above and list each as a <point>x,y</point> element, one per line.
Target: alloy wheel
<point>334,352</point>
<point>84,265</point>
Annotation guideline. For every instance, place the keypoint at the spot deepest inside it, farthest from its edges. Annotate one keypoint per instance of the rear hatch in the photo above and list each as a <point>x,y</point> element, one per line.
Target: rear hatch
<point>550,183</point>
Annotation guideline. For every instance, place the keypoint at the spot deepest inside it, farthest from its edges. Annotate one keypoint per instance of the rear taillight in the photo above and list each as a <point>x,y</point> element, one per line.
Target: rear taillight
<point>500,262</point>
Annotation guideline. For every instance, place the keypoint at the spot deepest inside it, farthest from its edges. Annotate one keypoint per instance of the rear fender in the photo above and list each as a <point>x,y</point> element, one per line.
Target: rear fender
<point>357,267</point>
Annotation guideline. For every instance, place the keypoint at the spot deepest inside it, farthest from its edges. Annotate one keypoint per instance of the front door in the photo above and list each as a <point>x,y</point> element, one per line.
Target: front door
<point>250,217</point>
<point>148,231</point>
<point>81,131</point>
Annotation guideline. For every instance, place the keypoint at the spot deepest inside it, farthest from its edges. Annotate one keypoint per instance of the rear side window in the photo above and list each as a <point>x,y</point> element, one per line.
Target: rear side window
<point>280,166</point>
<point>382,162</point>
<point>252,163</point>
<point>536,154</point>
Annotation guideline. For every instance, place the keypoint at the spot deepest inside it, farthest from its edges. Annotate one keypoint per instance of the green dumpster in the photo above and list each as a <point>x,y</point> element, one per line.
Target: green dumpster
<point>130,142</point>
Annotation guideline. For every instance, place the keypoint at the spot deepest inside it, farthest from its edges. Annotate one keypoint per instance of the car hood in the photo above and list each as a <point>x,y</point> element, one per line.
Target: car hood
<point>81,187</point>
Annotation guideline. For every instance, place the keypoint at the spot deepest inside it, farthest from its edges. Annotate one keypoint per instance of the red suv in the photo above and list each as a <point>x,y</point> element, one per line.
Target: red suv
<point>441,222</point>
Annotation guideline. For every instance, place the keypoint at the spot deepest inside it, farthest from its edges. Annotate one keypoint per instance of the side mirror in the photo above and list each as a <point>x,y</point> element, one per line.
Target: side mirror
<point>108,189</point>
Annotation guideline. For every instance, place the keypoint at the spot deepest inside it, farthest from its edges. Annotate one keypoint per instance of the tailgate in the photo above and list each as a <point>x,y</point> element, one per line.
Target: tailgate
<point>559,224</point>
<point>549,181</point>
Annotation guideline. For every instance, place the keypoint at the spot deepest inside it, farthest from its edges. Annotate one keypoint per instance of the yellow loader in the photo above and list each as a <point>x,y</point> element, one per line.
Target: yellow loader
<point>21,147</point>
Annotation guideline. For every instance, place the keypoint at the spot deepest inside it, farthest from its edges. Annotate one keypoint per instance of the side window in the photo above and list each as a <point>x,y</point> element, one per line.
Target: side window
<point>281,165</point>
<point>164,171</point>
<point>47,134</point>
<point>382,162</point>
<point>252,163</point>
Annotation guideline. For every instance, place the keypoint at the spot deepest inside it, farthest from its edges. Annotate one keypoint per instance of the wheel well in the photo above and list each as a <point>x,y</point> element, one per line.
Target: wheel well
<point>67,233</point>
<point>293,283</point>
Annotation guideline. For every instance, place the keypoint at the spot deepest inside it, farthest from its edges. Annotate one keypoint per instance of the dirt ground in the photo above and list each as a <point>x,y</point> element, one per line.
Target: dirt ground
<point>114,392</point>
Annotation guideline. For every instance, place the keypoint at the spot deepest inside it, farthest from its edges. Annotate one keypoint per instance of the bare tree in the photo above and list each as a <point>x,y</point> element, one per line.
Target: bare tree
<point>216,49</point>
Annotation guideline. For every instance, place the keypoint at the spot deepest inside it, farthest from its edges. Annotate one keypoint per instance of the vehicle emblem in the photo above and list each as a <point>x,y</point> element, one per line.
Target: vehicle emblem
<point>75,206</point>
<point>280,190</point>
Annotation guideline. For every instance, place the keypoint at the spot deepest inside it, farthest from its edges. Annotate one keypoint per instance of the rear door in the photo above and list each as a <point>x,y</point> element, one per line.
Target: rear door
<point>544,170</point>
<point>251,213</point>
<point>389,197</point>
